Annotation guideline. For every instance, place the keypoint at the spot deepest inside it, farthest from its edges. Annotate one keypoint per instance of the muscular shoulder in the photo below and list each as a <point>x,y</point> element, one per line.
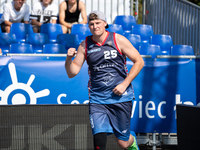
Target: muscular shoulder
<point>81,5</point>
<point>63,5</point>
<point>122,42</point>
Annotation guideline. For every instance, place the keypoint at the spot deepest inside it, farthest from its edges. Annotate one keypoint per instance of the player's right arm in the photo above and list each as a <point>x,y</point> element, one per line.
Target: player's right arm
<point>73,67</point>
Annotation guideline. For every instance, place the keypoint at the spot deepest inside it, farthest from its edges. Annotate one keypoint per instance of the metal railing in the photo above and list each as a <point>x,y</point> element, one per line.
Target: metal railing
<point>178,18</point>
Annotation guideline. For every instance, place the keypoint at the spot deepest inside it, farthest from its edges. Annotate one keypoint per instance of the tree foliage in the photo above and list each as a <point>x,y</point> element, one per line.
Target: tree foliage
<point>197,2</point>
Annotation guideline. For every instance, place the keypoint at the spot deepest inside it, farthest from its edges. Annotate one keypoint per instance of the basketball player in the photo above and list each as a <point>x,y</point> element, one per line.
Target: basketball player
<point>110,89</point>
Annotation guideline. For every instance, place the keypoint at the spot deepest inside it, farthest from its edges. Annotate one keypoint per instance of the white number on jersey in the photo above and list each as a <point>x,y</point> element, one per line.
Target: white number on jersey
<point>110,54</point>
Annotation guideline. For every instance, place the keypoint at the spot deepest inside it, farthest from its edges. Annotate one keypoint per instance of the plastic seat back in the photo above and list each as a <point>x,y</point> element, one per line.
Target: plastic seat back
<point>37,40</point>
<point>21,48</point>
<point>68,40</point>
<point>134,39</point>
<point>5,40</point>
<point>52,30</point>
<point>127,21</point>
<point>164,41</point>
<point>54,48</point>
<point>21,30</point>
<point>150,49</point>
<point>145,32</point>
<point>182,50</point>
<point>82,30</point>
<point>115,28</point>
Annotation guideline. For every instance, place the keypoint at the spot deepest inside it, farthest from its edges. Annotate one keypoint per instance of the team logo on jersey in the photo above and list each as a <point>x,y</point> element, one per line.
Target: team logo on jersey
<point>109,43</point>
<point>94,50</point>
<point>91,46</point>
<point>108,79</point>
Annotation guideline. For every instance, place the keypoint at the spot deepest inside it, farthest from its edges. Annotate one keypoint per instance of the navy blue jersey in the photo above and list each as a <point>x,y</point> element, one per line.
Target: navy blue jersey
<point>107,69</point>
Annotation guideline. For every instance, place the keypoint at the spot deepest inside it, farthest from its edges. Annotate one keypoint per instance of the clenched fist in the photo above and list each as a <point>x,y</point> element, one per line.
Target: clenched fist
<point>71,52</point>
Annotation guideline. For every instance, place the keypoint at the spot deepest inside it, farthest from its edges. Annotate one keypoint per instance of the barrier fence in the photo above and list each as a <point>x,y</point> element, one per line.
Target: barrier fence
<point>41,79</point>
<point>178,18</point>
<point>52,127</point>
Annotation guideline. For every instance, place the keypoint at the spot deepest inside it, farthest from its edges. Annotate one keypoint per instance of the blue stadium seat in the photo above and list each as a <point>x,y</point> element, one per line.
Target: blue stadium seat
<point>115,28</point>
<point>21,48</point>
<point>68,40</point>
<point>182,50</point>
<point>37,40</point>
<point>82,30</point>
<point>5,40</point>
<point>150,49</point>
<point>52,30</point>
<point>54,48</point>
<point>134,39</point>
<point>127,21</point>
<point>20,30</point>
<point>164,41</point>
<point>145,32</point>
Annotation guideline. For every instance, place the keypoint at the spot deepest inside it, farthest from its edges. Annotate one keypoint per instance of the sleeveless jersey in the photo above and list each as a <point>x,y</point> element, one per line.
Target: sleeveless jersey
<point>72,17</point>
<point>107,69</point>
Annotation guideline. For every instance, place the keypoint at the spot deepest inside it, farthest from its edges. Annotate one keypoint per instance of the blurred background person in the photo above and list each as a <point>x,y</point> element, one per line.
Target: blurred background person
<point>69,14</point>
<point>14,12</point>
<point>43,12</point>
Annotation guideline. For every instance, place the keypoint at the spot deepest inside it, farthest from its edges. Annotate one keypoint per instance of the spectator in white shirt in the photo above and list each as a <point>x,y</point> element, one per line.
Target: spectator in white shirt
<point>14,12</point>
<point>43,12</point>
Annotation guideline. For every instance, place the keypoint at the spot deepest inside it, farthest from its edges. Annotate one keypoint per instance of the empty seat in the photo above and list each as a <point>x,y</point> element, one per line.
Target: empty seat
<point>82,30</point>
<point>52,30</point>
<point>164,41</point>
<point>54,48</point>
<point>5,40</point>
<point>150,49</point>
<point>68,40</point>
<point>20,30</point>
<point>134,39</point>
<point>21,48</point>
<point>182,50</point>
<point>145,32</point>
<point>37,40</point>
<point>115,28</point>
<point>127,21</point>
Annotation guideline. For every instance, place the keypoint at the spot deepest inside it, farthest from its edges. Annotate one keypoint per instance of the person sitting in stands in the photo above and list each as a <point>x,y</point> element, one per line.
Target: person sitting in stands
<point>43,12</point>
<point>69,14</point>
<point>14,12</point>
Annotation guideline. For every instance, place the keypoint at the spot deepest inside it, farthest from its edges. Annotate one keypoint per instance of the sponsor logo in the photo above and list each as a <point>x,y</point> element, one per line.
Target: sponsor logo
<point>108,79</point>
<point>102,66</point>
<point>94,50</point>
<point>20,93</point>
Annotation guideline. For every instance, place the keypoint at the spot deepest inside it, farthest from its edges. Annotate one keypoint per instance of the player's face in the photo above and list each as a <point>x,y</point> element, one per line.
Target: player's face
<point>18,4</point>
<point>97,26</point>
<point>46,2</point>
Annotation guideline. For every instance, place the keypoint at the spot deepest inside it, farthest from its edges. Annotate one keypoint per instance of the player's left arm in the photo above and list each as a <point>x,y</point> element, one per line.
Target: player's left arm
<point>128,50</point>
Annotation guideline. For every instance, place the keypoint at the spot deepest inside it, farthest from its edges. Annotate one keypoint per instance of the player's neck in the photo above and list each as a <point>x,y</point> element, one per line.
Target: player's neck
<point>100,38</point>
<point>72,4</point>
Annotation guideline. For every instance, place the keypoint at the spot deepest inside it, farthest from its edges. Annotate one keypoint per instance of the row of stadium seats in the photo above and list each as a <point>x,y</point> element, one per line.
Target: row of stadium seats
<point>50,48</point>
<point>37,40</point>
<point>138,34</point>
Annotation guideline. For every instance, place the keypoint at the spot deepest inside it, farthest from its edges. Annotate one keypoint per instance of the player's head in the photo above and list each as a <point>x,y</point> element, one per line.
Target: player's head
<point>95,15</point>
<point>46,1</point>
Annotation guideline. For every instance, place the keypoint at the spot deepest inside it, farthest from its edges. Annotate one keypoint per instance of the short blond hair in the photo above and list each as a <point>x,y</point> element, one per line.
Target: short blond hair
<point>50,2</point>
